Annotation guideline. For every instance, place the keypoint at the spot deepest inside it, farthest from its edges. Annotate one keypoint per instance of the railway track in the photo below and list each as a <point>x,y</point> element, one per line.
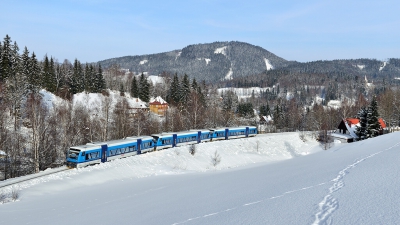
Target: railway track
<point>18,180</point>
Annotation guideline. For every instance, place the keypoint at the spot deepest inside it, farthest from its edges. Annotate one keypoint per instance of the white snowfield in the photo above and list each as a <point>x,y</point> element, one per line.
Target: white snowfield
<point>268,179</point>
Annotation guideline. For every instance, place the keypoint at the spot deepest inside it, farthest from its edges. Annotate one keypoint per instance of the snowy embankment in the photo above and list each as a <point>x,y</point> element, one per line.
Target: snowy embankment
<point>233,153</point>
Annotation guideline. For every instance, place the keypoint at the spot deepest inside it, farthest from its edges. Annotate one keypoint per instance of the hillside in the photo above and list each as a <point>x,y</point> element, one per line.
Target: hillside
<point>280,183</point>
<point>211,62</point>
<point>223,61</point>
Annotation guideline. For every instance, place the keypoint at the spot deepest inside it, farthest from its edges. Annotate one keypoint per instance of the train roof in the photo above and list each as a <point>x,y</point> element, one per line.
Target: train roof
<point>183,132</point>
<point>162,135</point>
<point>86,147</point>
<point>202,130</point>
<point>113,142</point>
<point>140,137</point>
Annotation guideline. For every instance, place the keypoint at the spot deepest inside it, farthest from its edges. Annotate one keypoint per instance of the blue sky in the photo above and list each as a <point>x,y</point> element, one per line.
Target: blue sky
<point>304,31</point>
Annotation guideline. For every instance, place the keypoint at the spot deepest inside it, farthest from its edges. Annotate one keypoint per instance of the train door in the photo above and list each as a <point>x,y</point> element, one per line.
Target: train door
<point>104,153</point>
<point>226,134</point>
<point>199,137</point>
<point>139,146</point>
<point>174,137</point>
<point>247,131</point>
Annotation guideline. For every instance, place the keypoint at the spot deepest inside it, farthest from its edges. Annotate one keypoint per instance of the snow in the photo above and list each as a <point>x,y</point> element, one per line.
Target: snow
<point>158,99</point>
<point>268,64</point>
<point>221,50</point>
<point>244,92</point>
<point>361,66</point>
<point>207,60</point>
<point>177,55</point>
<point>155,79</point>
<point>229,74</point>
<point>94,101</point>
<point>335,104</point>
<point>143,62</point>
<point>49,99</point>
<point>383,66</point>
<point>281,183</point>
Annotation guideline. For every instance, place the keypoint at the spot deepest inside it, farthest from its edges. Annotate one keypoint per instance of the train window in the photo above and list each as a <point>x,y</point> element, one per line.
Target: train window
<point>132,148</point>
<point>73,154</point>
<point>92,155</point>
<point>83,153</point>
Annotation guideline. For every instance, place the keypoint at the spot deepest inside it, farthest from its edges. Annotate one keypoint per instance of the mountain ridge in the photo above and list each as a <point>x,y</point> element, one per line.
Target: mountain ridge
<point>219,61</point>
<point>211,61</point>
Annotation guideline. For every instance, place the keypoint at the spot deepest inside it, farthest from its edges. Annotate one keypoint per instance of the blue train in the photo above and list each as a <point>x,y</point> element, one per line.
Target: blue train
<point>100,152</point>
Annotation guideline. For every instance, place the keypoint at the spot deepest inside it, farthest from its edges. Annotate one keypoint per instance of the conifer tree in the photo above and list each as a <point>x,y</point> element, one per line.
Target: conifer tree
<point>144,89</point>
<point>77,79</point>
<point>52,83</point>
<point>87,79</point>
<point>34,75</point>
<point>373,125</point>
<point>194,84</point>
<point>361,131</point>
<point>45,76</point>
<point>6,58</point>
<point>173,95</point>
<point>1,60</point>
<point>99,80</point>
<point>25,63</point>
<point>134,88</point>
<point>185,89</point>
<point>265,110</point>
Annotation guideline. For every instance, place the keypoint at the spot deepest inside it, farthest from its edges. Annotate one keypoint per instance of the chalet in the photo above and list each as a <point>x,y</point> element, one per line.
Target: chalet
<point>158,106</point>
<point>346,130</point>
<point>136,105</point>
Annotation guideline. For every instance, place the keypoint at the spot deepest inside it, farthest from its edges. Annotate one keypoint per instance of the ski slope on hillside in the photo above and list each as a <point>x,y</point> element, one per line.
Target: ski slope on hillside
<point>269,179</point>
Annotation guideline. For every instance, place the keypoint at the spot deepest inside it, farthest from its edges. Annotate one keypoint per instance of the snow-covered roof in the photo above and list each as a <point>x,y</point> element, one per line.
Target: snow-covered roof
<point>351,125</point>
<point>2,153</point>
<point>136,103</point>
<point>267,118</point>
<point>157,100</point>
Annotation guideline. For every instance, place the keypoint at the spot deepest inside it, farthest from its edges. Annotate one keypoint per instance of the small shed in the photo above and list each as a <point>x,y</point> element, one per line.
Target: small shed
<point>343,138</point>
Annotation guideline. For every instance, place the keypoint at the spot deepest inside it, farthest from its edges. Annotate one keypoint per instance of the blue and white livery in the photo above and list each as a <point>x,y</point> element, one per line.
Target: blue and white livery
<point>100,152</point>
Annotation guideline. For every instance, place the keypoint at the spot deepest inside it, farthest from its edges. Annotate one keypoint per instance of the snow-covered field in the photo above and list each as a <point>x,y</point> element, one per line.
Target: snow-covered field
<point>268,179</point>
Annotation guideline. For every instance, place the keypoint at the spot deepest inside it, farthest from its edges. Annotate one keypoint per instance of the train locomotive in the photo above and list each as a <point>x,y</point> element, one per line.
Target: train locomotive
<point>100,152</point>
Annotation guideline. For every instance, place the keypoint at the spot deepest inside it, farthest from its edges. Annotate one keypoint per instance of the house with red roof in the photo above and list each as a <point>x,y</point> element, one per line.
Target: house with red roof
<point>346,131</point>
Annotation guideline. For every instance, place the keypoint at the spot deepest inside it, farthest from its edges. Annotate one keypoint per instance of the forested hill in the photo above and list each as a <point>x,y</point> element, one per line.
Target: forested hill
<point>371,68</point>
<point>211,62</point>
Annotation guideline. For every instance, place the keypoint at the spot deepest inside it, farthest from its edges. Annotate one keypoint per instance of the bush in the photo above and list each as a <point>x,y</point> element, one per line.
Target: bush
<point>15,193</point>
<point>215,159</point>
<point>192,149</point>
<point>3,197</point>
